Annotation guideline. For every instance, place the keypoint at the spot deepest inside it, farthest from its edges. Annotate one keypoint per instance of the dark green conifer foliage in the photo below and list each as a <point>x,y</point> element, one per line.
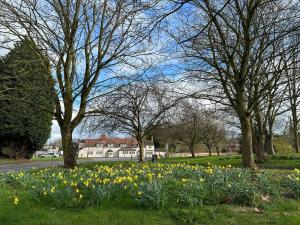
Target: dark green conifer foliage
<point>26,101</point>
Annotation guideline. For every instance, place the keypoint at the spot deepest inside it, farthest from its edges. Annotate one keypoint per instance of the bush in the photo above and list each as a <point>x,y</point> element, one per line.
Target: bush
<point>281,146</point>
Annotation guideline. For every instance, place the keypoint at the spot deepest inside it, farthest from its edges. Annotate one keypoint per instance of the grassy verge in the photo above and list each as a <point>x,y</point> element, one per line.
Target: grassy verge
<point>47,159</point>
<point>125,210</point>
<point>33,213</point>
<point>234,160</point>
<point>124,213</point>
<point>281,213</point>
<point>4,161</point>
<point>273,162</point>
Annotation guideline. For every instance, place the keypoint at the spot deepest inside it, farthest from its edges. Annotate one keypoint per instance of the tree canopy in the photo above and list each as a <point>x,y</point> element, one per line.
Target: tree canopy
<point>27,101</point>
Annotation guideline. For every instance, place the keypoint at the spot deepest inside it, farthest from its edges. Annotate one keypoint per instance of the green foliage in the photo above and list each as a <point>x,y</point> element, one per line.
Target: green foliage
<point>282,146</point>
<point>191,194</point>
<point>152,185</point>
<point>29,212</point>
<point>151,194</point>
<point>291,185</point>
<point>188,194</point>
<point>25,127</point>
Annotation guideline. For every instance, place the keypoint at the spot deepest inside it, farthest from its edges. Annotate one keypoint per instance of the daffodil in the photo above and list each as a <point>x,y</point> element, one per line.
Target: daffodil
<point>86,183</point>
<point>16,200</point>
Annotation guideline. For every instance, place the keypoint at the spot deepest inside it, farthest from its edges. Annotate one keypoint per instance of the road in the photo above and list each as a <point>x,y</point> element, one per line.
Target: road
<point>26,165</point>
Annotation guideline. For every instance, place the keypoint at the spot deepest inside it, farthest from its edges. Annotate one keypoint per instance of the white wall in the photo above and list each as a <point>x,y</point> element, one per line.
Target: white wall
<point>89,152</point>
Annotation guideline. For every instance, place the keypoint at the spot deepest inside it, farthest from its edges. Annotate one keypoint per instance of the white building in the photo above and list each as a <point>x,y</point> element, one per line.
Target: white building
<point>113,147</point>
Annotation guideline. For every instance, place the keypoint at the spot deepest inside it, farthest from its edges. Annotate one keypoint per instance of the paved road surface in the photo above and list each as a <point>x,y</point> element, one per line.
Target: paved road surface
<point>17,166</point>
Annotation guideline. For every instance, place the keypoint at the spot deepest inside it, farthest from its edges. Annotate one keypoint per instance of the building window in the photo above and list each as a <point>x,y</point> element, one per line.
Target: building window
<point>90,152</point>
<point>110,145</point>
<point>99,152</point>
<point>123,145</point>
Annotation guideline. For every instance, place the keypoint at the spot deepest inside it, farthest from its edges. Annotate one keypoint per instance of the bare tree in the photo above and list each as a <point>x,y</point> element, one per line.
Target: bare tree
<point>83,39</point>
<point>219,137</point>
<point>268,107</point>
<point>187,128</point>
<point>229,52</point>
<point>274,107</point>
<point>213,133</point>
<point>136,110</point>
<point>293,88</point>
<point>193,124</point>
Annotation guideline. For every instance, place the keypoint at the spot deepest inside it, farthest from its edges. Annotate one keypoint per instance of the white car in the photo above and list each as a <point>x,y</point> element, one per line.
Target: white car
<point>46,154</point>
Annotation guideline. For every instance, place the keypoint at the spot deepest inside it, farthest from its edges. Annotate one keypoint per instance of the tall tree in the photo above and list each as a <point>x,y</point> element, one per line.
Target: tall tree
<point>83,39</point>
<point>25,128</point>
<point>187,125</point>
<point>292,76</point>
<point>135,109</point>
<point>226,48</point>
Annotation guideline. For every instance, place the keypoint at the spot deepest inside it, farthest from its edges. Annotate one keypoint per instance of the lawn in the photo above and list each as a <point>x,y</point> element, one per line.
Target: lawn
<point>291,161</point>
<point>166,194</point>
<point>47,158</point>
<point>28,212</point>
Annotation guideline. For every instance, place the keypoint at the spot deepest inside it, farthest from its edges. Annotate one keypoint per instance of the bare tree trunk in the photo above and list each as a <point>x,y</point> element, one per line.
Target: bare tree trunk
<point>295,130</point>
<point>192,151</point>
<point>254,139</point>
<point>269,143</point>
<point>218,150</point>
<point>260,157</point>
<point>67,145</point>
<point>167,150</point>
<point>141,149</point>
<point>247,149</point>
<point>258,144</point>
<point>269,148</point>
<point>259,135</point>
<point>209,149</point>
<point>293,95</point>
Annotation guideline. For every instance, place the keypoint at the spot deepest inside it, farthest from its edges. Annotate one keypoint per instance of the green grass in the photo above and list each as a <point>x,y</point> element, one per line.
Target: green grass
<point>283,213</point>
<point>125,212</point>
<point>2,161</point>
<point>28,212</point>
<point>47,159</point>
<point>272,162</point>
<point>204,160</point>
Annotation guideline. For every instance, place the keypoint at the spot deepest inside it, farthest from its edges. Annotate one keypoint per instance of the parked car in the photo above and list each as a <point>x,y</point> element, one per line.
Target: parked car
<point>46,154</point>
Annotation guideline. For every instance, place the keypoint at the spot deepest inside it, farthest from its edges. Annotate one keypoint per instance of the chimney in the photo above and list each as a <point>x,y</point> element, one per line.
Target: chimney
<point>103,137</point>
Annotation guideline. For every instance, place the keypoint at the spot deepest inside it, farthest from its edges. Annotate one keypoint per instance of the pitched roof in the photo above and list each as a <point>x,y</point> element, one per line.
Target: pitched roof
<point>106,140</point>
